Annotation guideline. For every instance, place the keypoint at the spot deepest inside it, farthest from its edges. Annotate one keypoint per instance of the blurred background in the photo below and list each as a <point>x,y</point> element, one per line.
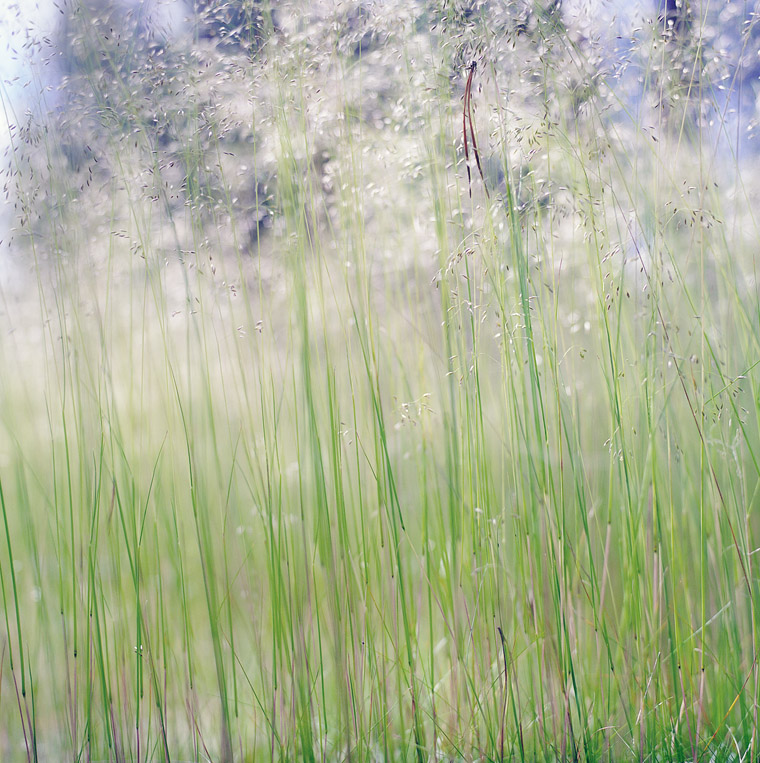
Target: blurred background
<point>64,60</point>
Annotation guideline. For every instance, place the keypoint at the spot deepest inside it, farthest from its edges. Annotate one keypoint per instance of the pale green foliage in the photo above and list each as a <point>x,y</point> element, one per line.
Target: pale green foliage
<point>306,452</point>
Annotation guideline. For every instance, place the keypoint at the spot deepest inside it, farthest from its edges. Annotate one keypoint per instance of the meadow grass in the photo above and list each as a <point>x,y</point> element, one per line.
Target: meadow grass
<point>312,450</point>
